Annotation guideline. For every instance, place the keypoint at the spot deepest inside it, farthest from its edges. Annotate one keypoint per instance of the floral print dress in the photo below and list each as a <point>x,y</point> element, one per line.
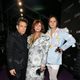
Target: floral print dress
<point>37,55</point>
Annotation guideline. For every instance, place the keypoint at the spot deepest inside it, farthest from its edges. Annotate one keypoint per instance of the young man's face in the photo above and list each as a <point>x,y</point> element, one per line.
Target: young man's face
<point>21,28</point>
<point>53,22</point>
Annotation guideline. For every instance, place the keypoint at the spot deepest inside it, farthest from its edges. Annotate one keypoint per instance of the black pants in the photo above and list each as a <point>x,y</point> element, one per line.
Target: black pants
<point>20,75</point>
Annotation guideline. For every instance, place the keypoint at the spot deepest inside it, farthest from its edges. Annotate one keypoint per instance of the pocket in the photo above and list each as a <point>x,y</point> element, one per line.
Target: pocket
<point>18,64</point>
<point>18,61</point>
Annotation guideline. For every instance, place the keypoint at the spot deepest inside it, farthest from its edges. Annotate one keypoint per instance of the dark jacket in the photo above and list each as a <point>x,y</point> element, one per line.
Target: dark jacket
<point>17,51</point>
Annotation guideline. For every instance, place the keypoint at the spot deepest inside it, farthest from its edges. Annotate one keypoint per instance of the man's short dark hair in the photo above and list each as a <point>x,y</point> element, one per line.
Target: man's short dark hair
<point>22,19</point>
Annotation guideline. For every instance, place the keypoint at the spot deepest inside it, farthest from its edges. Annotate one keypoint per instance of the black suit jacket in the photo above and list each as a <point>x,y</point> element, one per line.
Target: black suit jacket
<point>17,52</point>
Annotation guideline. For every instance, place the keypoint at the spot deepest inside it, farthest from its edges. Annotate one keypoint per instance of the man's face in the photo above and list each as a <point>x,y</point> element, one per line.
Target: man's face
<point>53,22</point>
<point>21,28</point>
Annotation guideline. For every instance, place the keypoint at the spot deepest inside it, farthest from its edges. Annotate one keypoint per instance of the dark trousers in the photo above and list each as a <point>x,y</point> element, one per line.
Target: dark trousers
<point>20,75</point>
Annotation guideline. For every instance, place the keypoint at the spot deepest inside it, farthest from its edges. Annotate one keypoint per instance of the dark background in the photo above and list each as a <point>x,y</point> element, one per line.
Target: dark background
<point>67,12</point>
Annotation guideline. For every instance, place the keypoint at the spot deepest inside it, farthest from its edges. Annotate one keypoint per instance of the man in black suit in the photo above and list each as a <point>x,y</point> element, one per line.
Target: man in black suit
<point>17,51</point>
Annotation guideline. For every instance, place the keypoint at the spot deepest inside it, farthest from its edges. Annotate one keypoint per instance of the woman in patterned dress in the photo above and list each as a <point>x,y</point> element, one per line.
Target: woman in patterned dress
<point>38,44</point>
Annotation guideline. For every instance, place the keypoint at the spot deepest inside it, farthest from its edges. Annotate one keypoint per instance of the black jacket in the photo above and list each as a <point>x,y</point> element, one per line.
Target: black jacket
<point>17,52</point>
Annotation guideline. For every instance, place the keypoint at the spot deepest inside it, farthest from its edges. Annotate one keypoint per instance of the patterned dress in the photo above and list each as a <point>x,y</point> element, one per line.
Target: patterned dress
<point>37,56</point>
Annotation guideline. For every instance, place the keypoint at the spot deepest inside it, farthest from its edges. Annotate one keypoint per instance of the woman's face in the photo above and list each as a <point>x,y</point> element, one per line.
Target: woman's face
<point>37,27</point>
<point>52,22</point>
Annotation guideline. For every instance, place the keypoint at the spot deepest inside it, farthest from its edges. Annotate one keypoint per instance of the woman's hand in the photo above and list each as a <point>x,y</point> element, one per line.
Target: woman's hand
<point>42,67</point>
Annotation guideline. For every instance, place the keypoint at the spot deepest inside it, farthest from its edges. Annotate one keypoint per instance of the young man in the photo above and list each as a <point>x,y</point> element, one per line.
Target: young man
<point>58,37</point>
<point>17,51</point>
